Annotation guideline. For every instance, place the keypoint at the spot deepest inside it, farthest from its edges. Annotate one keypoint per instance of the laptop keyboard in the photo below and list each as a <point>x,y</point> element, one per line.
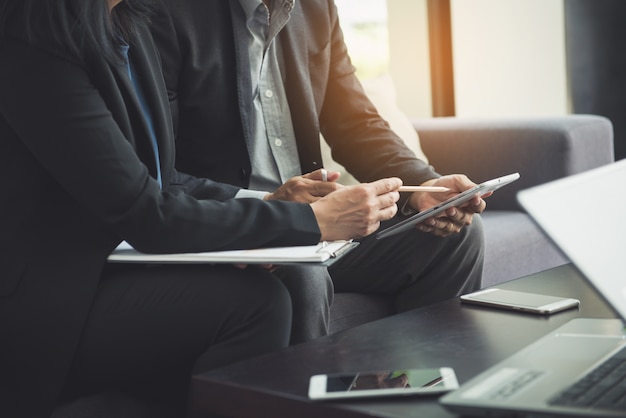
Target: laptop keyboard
<point>604,387</point>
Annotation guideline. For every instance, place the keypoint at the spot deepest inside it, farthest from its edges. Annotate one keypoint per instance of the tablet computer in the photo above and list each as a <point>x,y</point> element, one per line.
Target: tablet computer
<point>457,200</point>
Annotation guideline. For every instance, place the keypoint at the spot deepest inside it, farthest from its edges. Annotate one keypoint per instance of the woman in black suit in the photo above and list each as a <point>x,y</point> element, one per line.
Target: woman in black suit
<point>86,161</point>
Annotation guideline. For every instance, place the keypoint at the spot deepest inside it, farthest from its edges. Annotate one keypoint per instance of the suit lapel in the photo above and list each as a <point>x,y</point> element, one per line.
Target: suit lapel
<point>135,126</point>
<point>132,121</point>
<point>152,83</point>
<point>244,83</point>
<point>300,95</point>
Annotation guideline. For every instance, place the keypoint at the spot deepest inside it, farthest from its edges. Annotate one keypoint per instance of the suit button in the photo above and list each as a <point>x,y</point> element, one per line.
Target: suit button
<point>243,173</point>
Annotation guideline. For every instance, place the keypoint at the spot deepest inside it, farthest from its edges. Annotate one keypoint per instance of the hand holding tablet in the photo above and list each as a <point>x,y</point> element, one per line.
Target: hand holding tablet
<point>455,201</point>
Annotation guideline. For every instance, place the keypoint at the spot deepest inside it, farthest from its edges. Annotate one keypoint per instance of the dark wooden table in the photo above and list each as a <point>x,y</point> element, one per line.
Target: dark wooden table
<point>467,338</point>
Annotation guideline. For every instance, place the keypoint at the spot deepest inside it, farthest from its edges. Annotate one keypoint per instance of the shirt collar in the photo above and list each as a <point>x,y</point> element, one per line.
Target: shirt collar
<point>250,6</point>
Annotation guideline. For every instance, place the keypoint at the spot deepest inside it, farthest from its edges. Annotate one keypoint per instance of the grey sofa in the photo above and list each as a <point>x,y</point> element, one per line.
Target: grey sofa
<point>540,149</point>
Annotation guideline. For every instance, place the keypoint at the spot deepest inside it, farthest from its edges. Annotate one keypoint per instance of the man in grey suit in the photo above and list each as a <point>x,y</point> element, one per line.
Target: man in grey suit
<point>252,84</point>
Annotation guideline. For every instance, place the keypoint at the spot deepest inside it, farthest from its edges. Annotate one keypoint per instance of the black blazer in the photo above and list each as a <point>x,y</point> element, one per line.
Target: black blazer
<point>211,99</point>
<point>78,177</point>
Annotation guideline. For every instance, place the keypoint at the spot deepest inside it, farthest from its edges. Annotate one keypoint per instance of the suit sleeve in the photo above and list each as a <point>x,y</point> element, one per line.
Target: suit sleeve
<point>202,188</point>
<point>360,139</point>
<point>60,116</point>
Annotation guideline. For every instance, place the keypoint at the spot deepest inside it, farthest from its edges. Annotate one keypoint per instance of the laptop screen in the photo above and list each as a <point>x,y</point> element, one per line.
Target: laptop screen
<point>585,215</point>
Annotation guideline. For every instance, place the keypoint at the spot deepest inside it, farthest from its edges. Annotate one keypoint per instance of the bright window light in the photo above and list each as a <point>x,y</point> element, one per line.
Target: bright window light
<point>364,24</point>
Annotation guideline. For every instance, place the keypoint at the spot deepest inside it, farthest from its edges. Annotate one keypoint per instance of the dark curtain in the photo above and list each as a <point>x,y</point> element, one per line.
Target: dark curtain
<point>596,61</point>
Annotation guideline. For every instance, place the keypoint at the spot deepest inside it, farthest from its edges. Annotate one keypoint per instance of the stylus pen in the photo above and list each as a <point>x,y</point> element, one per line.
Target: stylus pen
<point>423,189</point>
<point>434,189</point>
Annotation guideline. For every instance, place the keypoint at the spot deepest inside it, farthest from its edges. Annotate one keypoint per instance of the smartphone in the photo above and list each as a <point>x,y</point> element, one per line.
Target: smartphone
<point>520,301</point>
<point>382,383</point>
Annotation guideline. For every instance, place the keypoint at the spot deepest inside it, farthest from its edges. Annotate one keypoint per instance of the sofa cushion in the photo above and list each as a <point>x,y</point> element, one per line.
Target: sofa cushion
<point>515,247</point>
<point>541,149</point>
<point>382,93</point>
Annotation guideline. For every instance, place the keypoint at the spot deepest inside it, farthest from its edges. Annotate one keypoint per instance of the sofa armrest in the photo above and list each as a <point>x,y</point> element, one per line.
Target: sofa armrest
<point>541,149</point>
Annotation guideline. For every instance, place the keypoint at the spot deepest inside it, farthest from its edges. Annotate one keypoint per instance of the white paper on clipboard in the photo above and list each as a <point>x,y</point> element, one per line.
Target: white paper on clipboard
<point>319,253</point>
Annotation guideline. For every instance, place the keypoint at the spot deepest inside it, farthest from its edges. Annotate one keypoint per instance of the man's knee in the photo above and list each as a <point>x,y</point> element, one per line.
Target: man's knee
<point>311,291</point>
<point>475,232</point>
<point>278,300</point>
<point>307,285</point>
<point>469,243</point>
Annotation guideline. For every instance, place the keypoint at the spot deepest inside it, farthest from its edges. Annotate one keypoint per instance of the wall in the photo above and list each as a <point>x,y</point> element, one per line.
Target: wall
<point>509,57</point>
<point>409,55</point>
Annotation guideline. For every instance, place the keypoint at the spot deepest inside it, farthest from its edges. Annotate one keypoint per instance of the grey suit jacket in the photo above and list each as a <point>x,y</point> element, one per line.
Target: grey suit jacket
<point>209,98</point>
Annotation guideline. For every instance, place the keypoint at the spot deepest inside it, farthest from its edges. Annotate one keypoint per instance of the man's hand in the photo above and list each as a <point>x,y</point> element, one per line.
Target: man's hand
<point>307,188</point>
<point>356,211</point>
<point>454,219</point>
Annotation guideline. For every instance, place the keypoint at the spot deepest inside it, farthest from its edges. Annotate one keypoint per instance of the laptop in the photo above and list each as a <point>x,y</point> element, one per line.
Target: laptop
<point>585,216</point>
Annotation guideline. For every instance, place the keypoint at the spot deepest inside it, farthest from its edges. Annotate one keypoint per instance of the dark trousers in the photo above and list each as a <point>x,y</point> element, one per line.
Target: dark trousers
<point>152,327</point>
<point>414,268</point>
<point>311,291</point>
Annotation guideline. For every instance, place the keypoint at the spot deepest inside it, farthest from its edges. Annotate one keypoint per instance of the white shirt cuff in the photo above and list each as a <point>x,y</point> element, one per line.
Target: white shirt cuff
<point>255,194</point>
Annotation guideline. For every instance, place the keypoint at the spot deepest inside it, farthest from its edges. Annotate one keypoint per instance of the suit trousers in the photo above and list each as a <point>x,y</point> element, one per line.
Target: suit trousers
<point>414,268</point>
<point>311,291</point>
<point>151,327</point>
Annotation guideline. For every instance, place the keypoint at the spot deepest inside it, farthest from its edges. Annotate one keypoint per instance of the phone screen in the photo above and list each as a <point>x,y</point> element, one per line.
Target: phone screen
<point>426,379</point>
<point>383,382</point>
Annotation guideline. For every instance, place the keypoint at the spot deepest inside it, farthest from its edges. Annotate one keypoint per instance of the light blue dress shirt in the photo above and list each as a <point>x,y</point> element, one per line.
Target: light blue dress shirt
<point>272,149</point>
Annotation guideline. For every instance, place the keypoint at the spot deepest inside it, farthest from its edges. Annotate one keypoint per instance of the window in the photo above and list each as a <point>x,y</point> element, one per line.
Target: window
<point>364,24</point>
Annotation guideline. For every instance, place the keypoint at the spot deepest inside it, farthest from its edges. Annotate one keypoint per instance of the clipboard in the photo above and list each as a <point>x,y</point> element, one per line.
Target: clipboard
<point>457,200</point>
<point>324,253</point>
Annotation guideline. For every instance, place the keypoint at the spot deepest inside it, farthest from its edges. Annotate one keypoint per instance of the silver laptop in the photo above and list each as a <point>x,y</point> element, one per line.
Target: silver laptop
<point>585,216</point>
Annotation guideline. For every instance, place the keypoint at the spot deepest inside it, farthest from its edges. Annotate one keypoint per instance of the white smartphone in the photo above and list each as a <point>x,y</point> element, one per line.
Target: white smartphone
<point>382,383</point>
<point>455,201</point>
<point>520,301</point>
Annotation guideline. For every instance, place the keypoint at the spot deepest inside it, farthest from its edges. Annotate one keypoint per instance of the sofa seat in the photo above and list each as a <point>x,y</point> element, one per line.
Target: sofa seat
<point>533,250</point>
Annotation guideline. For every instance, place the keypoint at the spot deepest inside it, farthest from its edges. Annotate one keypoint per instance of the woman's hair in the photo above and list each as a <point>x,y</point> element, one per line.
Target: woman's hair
<point>77,26</point>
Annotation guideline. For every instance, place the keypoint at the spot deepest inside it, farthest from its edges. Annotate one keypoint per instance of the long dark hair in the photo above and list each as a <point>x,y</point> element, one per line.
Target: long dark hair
<point>76,26</point>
